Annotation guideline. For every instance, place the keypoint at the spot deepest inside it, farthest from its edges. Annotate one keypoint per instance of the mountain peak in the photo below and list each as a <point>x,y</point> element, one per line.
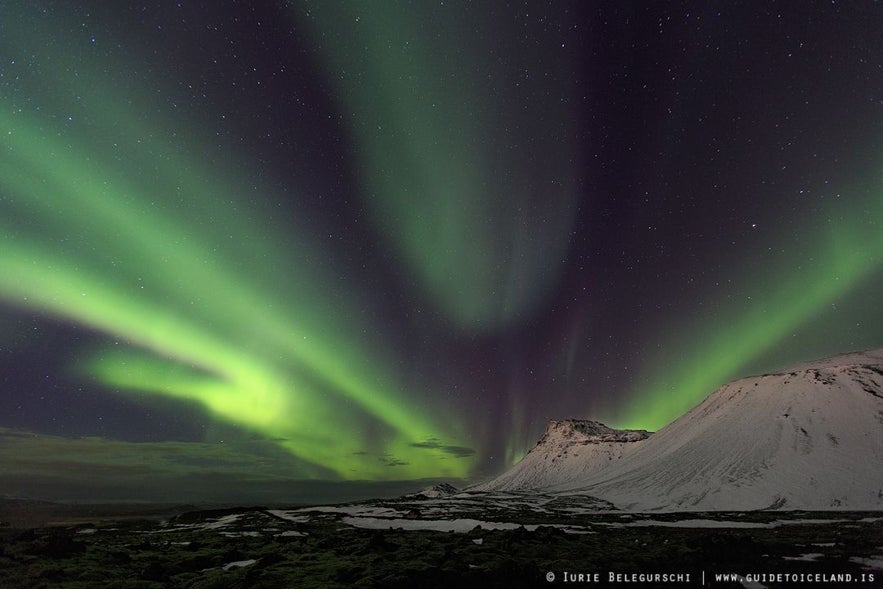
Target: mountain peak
<point>586,431</point>
<point>569,450</point>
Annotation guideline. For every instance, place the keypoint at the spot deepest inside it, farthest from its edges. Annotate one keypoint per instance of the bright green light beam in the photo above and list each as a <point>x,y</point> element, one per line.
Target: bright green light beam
<point>141,237</point>
<point>96,240</point>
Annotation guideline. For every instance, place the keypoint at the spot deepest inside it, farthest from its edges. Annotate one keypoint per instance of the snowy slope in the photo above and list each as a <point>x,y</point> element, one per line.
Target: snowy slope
<point>807,438</point>
<point>569,451</point>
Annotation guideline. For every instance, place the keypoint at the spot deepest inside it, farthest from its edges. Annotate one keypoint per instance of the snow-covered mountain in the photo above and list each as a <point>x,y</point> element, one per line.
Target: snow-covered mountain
<point>568,452</point>
<point>810,437</point>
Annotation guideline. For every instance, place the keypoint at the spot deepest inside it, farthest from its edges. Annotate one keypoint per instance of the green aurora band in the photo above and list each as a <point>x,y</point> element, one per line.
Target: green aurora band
<point>846,253</point>
<point>107,222</point>
<point>472,179</point>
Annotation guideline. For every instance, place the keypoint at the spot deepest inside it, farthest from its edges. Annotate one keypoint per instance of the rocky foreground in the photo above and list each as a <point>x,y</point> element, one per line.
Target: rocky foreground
<point>487,540</point>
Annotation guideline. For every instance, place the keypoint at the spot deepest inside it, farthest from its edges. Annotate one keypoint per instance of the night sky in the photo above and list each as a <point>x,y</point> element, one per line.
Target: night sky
<point>247,244</point>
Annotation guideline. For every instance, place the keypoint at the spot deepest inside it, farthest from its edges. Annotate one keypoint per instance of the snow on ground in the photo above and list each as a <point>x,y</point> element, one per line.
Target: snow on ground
<point>874,564</point>
<point>808,557</point>
<point>221,522</point>
<point>289,516</point>
<point>356,510</point>
<point>239,564</point>
<point>252,523</point>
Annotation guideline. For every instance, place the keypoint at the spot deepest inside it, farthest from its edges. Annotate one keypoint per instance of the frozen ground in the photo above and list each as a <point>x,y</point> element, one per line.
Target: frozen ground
<point>495,540</point>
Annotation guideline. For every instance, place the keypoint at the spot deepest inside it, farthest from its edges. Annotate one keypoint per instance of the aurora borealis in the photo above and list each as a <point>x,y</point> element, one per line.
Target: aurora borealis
<point>356,241</point>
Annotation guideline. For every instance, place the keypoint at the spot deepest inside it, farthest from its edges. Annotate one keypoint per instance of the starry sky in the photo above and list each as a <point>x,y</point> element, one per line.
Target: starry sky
<point>310,251</point>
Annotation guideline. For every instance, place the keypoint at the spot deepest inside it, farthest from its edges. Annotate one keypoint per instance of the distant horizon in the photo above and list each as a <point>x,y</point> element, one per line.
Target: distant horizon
<point>295,493</point>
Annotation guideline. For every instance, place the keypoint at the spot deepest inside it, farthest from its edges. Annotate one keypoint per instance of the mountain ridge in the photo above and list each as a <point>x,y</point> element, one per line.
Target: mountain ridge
<point>802,438</point>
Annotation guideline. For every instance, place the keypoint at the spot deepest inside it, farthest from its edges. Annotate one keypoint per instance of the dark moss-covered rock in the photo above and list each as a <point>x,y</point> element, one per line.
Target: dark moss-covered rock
<point>58,546</point>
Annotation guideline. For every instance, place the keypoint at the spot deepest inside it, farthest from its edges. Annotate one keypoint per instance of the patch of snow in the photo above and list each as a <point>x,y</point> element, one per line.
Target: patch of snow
<point>291,534</point>
<point>239,564</point>
<point>87,531</point>
<point>874,564</point>
<point>808,557</point>
<point>289,516</point>
<point>478,541</point>
<point>221,521</point>
<point>357,510</point>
